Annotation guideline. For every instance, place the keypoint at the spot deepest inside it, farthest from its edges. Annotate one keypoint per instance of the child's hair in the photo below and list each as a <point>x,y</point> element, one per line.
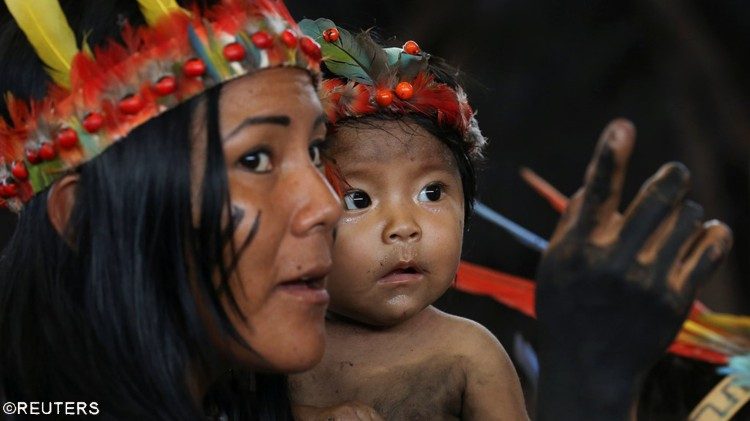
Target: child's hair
<point>449,137</point>
<point>465,146</point>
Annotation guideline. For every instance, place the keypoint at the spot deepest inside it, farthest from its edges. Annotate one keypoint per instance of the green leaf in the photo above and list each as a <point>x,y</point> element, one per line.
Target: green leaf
<point>344,57</point>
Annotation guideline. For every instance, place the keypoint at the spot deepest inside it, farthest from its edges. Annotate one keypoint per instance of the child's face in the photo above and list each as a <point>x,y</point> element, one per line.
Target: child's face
<point>398,244</point>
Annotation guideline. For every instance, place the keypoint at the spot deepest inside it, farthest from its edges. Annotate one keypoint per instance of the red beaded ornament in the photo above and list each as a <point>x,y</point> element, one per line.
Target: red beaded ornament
<point>19,171</point>
<point>384,97</point>
<point>411,47</point>
<point>404,90</point>
<point>289,38</point>
<point>166,85</point>
<point>194,67</point>
<point>93,122</point>
<point>67,138</point>
<point>234,51</point>
<point>262,40</point>
<point>331,35</point>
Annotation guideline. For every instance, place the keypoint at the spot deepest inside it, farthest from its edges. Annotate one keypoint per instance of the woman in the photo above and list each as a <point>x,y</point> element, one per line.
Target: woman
<point>196,243</point>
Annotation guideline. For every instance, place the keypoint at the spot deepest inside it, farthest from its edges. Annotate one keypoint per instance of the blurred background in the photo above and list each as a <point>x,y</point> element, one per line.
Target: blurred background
<point>546,77</point>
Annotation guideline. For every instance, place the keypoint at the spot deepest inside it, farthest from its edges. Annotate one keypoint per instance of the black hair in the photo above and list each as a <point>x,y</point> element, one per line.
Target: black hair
<point>114,310</point>
<point>449,136</point>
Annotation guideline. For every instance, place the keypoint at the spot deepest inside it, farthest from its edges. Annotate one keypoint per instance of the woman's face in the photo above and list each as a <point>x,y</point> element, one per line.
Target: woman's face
<point>272,125</point>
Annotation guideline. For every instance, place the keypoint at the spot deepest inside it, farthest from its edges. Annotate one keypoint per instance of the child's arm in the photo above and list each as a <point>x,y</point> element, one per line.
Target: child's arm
<point>492,390</point>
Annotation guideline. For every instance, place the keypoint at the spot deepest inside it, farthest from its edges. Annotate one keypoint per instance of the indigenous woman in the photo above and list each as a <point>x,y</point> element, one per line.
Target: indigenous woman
<point>174,222</point>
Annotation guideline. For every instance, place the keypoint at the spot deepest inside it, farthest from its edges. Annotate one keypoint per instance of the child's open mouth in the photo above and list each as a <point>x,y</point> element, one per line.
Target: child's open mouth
<point>405,272</point>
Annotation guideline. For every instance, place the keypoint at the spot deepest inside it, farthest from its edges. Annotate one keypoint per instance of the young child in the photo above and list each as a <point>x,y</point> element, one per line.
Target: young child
<point>403,145</point>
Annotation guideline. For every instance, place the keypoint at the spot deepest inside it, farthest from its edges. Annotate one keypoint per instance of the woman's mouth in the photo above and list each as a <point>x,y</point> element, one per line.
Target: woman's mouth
<point>311,289</point>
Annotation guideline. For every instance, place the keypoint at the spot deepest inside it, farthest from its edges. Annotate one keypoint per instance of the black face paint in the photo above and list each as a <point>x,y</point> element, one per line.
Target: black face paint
<point>237,214</point>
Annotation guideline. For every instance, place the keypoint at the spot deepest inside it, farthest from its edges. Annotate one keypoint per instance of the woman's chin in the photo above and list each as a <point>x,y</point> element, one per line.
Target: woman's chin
<point>293,350</point>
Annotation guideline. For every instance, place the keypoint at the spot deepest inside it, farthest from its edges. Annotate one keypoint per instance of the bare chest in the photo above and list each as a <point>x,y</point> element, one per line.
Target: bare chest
<point>400,387</point>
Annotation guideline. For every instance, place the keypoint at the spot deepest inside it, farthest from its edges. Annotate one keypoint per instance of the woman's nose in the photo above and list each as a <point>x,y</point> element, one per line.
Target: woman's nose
<point>320,209</point>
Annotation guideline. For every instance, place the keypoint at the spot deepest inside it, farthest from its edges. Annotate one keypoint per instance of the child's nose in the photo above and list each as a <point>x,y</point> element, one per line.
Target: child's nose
<point>402,228</point>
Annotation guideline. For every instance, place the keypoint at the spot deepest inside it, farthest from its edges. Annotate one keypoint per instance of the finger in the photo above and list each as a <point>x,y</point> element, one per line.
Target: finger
<point>567,219</point>
<point>654,202</point>
<point>701,259</point>
<point>685,225</point>
<point>604,177</point>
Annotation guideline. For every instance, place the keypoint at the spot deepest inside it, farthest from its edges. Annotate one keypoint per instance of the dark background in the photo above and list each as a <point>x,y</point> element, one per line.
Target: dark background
<point>546,77</point>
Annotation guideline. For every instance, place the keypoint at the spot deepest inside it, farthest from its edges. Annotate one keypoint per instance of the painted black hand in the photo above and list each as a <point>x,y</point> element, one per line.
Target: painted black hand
<point>614,289</point>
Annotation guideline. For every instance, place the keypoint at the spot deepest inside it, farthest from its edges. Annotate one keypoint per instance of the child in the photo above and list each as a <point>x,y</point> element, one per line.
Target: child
<point>403,147</point>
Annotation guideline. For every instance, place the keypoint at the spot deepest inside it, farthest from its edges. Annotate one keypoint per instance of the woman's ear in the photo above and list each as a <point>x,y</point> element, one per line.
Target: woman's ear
<point>60,201</point>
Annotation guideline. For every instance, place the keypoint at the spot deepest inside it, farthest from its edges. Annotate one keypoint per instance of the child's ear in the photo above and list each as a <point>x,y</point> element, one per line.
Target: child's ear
<point>60,201</point>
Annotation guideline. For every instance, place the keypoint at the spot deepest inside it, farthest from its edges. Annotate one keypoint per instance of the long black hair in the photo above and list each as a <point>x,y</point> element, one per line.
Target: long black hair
<point>108,312</point>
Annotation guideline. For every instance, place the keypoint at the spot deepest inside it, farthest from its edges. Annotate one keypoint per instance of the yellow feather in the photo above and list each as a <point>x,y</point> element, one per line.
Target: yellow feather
<point>47,29</point>
<point>153,10</point>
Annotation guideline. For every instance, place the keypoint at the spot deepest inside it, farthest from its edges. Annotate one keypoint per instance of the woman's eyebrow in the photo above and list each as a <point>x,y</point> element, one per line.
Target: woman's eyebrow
<point>280,120</point>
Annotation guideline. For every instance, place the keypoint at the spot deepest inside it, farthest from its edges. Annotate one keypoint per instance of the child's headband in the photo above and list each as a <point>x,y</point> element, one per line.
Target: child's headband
<point>99,96</point>
<point>370,79</point>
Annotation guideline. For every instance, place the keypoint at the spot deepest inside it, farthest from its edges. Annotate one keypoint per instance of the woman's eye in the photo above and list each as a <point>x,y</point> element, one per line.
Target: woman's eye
<point>431,193</point>
<point>315,155</point>
<point>356,199</point>
<point>258,161</point>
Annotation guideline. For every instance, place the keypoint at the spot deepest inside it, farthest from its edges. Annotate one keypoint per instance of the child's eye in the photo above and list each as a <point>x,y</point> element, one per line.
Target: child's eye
<point>315,153</point>
<point>257,161</point>
<point>356,199</point>
<point>431,193</point>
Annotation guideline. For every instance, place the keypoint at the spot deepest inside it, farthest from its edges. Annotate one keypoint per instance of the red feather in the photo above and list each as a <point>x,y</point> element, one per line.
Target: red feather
<point>430,97</point>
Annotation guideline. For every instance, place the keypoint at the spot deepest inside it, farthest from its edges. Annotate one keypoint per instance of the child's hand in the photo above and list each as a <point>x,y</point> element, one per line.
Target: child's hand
<point>350,411</point>
<point>614,289</point>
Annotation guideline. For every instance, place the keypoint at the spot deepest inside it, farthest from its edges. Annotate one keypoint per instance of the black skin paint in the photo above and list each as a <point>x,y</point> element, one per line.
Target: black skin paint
<point>590,297</point>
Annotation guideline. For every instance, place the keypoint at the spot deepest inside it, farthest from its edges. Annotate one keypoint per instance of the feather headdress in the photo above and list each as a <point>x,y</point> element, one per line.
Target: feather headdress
<point>99,96</point>
<point>368,79</point>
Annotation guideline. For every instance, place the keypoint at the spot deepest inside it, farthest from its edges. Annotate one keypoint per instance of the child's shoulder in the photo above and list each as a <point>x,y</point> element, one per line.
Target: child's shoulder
<point>466,337</point>
<point>492,389</point>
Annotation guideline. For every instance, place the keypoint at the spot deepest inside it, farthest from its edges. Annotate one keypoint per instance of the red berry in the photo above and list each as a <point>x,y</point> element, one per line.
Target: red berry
<point>47,151</point>
<point>93,122</point>
<point>383,97</point>
<point>289,38</point>
<point>131,104</point>
<point>404,90</point>
<point>67,138</point>
<point>411,47</point>
<point>310,47</point>
<point>8,190</point>
<point>33,156</point>
<point>331,35</point>
<point>19,171</point>
<point>234,51</point>
<point>165,85</point>
<point>262,39</point>
<point>194,67</point>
